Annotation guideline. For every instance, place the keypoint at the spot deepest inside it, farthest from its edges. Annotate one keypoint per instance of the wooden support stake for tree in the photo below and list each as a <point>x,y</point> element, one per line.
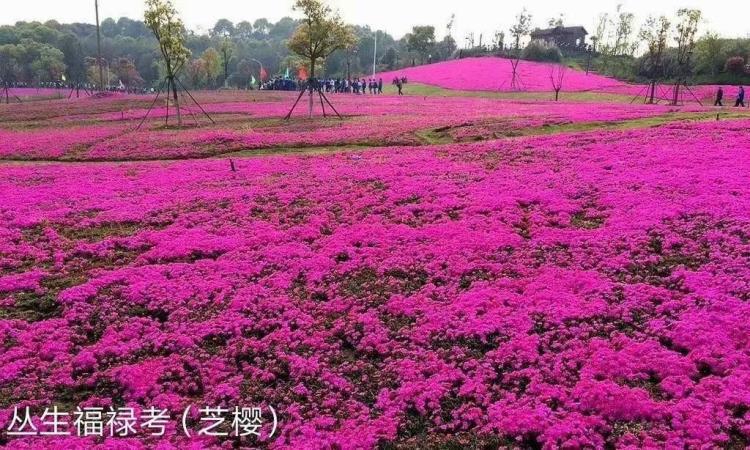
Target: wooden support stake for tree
<point>158,92</point>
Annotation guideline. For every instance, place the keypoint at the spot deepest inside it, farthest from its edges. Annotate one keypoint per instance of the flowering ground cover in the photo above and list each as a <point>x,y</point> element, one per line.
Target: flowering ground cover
<point>495,74</point>
<point>106,129</point>
<point>569,290</point>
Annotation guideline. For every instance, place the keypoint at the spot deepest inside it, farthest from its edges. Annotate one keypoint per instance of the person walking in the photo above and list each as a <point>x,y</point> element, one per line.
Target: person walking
<point>740,98</point>
<point>719,97</point>
<point>380,86</point>
<point>400,86</point>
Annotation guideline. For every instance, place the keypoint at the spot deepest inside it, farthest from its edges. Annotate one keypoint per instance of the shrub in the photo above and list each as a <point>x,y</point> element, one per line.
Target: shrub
<point>735,65</point>
<point>544,51</point>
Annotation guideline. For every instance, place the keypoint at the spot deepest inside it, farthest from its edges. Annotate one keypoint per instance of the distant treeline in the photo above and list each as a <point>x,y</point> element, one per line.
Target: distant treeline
<point>229,53</point>
<point>232,53</point>
<point>715,60</point>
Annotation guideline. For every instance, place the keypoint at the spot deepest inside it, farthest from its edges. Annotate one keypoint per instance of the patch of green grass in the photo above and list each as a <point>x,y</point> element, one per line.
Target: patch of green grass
<point>442,136</point>
<point>321,150</point>
<point>433,137</point>
<point>424,90</point>
<point>33,306</point>
<point>102,231</point>
<point>644,122</point>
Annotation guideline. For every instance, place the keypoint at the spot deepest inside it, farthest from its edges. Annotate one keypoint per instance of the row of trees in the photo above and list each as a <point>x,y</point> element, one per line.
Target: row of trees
<point>233,53</point>
<point>662,47</point>
<point>667,48</point>
<point>229,53</point>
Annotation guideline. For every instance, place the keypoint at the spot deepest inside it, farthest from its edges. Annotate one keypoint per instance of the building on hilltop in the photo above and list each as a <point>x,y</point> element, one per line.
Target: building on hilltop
<point>568,39</point>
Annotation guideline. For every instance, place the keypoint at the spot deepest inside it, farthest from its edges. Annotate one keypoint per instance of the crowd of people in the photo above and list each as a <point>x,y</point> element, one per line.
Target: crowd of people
<point>356,86</point>
<point>63,86</point>
<point>279,84</point>
<point>359,86</point>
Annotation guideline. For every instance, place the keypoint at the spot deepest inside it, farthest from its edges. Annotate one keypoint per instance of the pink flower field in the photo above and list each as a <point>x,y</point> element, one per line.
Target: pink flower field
<point>428,272</point>
<point>106,130</point>
<point>495,74</point>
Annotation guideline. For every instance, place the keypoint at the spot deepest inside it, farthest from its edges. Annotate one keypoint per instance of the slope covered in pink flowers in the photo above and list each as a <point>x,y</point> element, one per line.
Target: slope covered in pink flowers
<point>458,273</point>
<point>496,74</point>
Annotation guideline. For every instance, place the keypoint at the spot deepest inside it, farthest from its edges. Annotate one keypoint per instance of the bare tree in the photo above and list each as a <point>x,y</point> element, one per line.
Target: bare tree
<point>469,40</point>
<point>498,41</point>
<point>519,30</point>
<point>600,35</point>
<point>598,40</point>
<point>449,27</point>
<point>623,32</point>
<point>556,21</point>
<point>557,76</point>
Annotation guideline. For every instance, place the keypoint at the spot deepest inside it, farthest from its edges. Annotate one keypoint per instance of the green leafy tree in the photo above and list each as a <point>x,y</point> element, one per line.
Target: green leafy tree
<point>261,27</point>
<point>9,69</point>
<point>283,28</point>
<point>162,19</point>
<point>735,65</point>
<point>196,72</point>
<point>126,71</point>
<point>243,75</point>
<point>445,48</point>
<point>709,54</point>
<point>520,29</point>
<point>226,50</point>
<point>421,40</point>
<point>244,30</point>
<point>92,72</point>
<point>212,59</point>
<point>73,57</point>
<point>321,33</point>
<point>390,58</point>
<point>543,51</point>
<point>223,28</point>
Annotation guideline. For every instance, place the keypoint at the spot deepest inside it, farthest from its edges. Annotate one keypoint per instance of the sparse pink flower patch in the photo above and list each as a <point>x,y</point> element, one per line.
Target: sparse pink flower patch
<point>35,93</point>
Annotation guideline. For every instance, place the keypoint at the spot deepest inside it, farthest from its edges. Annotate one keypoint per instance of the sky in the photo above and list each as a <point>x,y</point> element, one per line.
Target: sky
<point>396,17</point>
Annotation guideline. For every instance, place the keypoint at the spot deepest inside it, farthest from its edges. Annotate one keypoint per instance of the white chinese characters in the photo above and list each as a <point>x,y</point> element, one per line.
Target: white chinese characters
<point>237,422</point>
